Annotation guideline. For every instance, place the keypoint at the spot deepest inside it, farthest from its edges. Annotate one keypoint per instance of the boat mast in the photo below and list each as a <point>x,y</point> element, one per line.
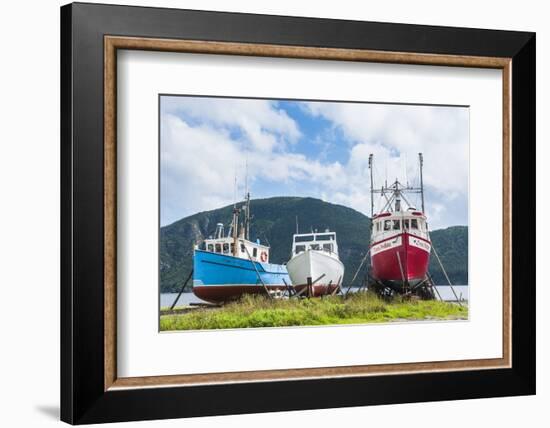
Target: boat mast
<point>421,162</point>
<point>235,220</point>
<point>247,217</point>
<point>247,203</point>
<point>396,191</point>
<point>371,188</point>
<point>235,229</point>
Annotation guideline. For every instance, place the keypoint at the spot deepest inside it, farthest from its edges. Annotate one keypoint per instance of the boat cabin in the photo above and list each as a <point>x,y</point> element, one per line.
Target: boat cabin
<point>325,241</point>
<point>225,244</point>
<point>388,224</point>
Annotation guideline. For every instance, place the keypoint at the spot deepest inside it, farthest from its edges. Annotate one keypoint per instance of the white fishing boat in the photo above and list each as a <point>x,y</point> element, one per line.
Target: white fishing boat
<point>315,268</point>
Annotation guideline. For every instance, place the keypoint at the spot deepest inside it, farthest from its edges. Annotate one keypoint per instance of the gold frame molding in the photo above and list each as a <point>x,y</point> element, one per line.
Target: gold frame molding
<point>113,43</point>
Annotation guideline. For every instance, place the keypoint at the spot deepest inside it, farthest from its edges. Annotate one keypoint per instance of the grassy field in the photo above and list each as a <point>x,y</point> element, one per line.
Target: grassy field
<point>259,311</point>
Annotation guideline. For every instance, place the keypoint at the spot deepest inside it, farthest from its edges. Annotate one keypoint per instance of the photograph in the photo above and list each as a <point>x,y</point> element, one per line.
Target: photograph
<point>262,212</point>
<point>285,213</point>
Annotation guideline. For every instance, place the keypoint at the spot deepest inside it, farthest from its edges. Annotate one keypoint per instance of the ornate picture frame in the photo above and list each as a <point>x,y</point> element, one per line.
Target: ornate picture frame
<point>91,389</point>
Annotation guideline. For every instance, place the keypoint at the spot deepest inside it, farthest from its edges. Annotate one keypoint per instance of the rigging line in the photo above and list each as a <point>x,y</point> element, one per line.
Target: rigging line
<point>446,276</point>
<point>418,197</point>
<point>235,188</point>
<point>406,175</point>
<point>406,200</point>
<point>246,176</point>
<point>375,176</point>
<point>181,290</point>
<point>258,273</point>
<point>357,271</point>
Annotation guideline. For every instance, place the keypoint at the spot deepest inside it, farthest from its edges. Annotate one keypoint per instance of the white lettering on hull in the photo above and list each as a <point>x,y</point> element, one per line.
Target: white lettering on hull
<point>385,246</point>
<point>419,243</point>
<point>397,241</point>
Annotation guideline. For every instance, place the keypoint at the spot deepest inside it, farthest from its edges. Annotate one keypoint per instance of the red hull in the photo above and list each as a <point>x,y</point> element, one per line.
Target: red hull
<point>401,257</point>
<point>225,293</point>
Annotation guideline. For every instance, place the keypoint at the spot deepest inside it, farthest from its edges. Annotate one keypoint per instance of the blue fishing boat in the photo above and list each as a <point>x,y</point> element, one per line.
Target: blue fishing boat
<point>227,266</point>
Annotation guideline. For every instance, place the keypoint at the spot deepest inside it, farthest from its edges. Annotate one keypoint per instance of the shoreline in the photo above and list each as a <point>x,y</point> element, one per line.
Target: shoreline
<point>257,311</point>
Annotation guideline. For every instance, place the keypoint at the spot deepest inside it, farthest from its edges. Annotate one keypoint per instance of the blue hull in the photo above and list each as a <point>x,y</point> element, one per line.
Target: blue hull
<point>219,277</point>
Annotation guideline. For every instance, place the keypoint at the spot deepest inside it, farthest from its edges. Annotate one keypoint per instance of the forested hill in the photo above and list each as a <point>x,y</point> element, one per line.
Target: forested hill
<point>274,222</point>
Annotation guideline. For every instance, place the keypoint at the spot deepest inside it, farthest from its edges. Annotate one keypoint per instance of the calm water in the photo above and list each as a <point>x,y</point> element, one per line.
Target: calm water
<point>166,299</point>
<point>447,294</point>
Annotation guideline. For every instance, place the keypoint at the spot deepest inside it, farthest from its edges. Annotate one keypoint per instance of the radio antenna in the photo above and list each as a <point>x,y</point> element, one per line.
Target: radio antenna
<point>246,176</point>
<point>421,164</point>
<point>371,188</point>
<point>235,188</point>
<point>247,199</point>
<point>406,174</point>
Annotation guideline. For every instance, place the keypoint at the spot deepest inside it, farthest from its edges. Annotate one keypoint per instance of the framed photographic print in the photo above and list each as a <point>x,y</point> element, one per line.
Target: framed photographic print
<point>275,213</point>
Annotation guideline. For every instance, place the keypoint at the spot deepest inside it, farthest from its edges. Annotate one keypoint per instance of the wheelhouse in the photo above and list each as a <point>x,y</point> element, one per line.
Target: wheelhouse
<point>225,244</point>
<point>325,241</point>
<point>387,224</point>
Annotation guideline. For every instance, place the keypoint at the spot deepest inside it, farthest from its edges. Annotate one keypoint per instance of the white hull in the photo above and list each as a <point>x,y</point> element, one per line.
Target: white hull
<point>313,264</point>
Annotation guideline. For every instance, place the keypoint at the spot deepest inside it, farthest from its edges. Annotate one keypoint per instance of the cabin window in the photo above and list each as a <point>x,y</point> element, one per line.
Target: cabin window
<point>324,237</point>
<point>211,248</point>
<point>406,224</point>
<point>243,249</point>
<point>315,247</point>
<point>327,248</point>
<point>305,238</point>
<point>254,252</point>
<point>387,224</point>
<point>396,225</point>
<point>299,249</point>
<point>226,248</point>
<point>414,223</point>
<point>218,248</point>
<point>232,248</point>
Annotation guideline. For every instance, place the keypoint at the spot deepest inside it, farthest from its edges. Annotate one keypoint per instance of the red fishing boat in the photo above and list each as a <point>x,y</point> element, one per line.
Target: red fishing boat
<point>400,243</point>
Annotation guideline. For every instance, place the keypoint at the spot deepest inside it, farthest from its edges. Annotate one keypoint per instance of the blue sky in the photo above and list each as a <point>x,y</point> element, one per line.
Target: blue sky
<point>317,149</point>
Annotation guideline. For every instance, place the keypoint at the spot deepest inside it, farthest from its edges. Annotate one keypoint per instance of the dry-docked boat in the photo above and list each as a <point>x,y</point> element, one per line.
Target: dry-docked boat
<point>400,242</point>
<point>227,266</point>
<point>314,267</point>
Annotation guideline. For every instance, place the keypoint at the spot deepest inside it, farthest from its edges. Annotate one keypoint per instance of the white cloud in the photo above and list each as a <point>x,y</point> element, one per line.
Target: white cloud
<point>205,140</point>
<point>395,134</point>
<point>264,125</point>
<point>199,165</point>
<point>441,133</point>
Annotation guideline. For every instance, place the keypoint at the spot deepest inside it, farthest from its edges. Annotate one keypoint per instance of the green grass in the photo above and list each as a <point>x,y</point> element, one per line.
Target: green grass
<point>258,311</point>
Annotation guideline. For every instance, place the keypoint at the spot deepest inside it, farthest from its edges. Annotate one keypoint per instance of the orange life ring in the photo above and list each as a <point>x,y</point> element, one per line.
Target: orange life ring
<point>263,256</point>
